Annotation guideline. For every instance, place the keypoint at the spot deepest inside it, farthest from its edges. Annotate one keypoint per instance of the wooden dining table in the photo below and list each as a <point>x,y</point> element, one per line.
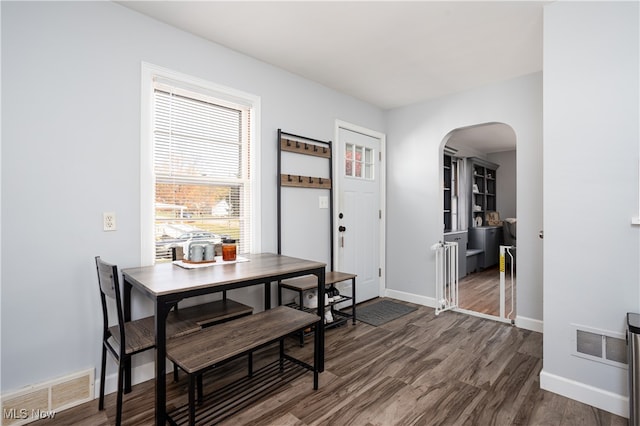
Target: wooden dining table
<point>167,283</point>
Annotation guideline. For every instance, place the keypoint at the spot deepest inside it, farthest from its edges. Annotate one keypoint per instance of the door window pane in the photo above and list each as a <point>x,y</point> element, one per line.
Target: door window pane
<point>359,162</point>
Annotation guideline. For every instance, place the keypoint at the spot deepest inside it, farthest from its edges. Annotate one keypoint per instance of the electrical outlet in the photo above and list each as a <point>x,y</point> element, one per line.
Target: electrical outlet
<point>323,202</point>
<point>109,221</point>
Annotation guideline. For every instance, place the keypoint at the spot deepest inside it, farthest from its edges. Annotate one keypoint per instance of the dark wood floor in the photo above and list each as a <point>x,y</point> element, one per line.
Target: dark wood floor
<point>480,292</point>
<point>453,369</point>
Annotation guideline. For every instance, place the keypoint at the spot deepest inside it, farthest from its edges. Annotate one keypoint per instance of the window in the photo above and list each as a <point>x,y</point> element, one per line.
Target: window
<point>358,162</point>
<point>201,146</point>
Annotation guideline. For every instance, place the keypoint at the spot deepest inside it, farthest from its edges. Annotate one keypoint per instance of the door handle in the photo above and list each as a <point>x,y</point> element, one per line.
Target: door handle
<point>341,229</point>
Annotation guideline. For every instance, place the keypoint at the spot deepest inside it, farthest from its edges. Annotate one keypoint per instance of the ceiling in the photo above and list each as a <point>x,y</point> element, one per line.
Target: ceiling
<point>482,139</point>
<point>387,53</point>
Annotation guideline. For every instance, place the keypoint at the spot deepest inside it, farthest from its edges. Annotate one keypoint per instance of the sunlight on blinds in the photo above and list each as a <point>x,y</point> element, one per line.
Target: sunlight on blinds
<point>201,151</point>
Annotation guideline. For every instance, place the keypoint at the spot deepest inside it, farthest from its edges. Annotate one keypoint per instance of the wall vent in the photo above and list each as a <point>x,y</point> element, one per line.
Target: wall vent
<point>603,346</point>
<point>45,400</point>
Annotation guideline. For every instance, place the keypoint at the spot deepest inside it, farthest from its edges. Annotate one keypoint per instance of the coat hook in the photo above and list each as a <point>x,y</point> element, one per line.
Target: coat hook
<point>297,144</point>
<point>324,149</point>
<point>315,148</point>
<point>300,179</point>
<point>289,178</point>
<point>320,181</point>
<point>288,142</point>
<point>306,146</point>
<point>310,179</point>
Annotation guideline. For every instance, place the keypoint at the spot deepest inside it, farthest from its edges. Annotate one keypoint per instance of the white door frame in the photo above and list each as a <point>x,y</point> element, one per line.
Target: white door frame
<point>339,124</point>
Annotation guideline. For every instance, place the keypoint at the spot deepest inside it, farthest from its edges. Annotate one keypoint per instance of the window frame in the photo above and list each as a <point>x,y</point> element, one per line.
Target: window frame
<point>147,180</point>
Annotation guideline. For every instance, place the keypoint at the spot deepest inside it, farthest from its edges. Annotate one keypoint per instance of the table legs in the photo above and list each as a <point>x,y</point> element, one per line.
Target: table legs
<point>319,334</point>
<point>161,311</point>
<point>267,295</point>
<point>162,307</point>
<point>126,301</point>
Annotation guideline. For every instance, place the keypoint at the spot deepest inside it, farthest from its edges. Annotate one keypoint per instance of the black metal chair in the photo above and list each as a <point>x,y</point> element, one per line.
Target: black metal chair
<point>125,339</point>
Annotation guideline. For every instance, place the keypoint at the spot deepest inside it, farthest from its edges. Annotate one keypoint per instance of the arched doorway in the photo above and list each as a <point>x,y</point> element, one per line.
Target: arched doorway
<point>479,213</point>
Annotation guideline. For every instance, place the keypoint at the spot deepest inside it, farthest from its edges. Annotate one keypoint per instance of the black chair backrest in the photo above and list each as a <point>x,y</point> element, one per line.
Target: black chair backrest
<point>110,288</point>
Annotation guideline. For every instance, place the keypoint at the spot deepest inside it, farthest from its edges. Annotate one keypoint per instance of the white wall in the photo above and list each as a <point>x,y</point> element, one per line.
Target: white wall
<point>506,182</point>
<point>70,150</point>
<point>591,138</point>
<point>414,196</point>
<point>70,142</point>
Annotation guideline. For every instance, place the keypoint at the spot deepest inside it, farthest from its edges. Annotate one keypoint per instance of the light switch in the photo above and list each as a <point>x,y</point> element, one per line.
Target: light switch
<point>323,202</point>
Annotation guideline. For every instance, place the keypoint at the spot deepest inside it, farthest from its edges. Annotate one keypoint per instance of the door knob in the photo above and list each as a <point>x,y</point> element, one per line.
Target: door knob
<point>341,228</point>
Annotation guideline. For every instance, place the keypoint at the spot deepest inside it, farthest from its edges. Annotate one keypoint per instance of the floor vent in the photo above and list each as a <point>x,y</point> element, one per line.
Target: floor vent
<point>45,400</point>
<point>597,345</point>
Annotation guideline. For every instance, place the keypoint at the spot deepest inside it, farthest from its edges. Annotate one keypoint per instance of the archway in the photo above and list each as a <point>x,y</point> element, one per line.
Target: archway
<point>479,213</point>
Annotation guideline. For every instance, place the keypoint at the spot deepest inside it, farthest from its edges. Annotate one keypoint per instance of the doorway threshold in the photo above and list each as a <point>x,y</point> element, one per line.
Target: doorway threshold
<point>486,316</point>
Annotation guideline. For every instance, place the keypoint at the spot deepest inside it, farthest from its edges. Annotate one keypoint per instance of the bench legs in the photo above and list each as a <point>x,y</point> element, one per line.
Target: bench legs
<point>196,388</point>
<point>315,357</point>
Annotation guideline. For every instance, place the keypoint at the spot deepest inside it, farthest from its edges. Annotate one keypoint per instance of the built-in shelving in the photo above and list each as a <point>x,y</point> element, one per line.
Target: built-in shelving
<point>447,175</point>
<point>483,190</point>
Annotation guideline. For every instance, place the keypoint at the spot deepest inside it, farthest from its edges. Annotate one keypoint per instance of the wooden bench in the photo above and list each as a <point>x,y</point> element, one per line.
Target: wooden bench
<point>206,315</point>
<point>198,352</point>
<point>211,313</point>
<point>309,282</point>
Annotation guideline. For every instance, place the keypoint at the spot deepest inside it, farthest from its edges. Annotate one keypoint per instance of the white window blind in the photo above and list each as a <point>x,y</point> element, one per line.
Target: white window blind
<point>201,168</point>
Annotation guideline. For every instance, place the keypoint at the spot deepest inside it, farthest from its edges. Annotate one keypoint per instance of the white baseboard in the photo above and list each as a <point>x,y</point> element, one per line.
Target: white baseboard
<point>529,324</point>
<point>411,298</point>
<point>604,400</point>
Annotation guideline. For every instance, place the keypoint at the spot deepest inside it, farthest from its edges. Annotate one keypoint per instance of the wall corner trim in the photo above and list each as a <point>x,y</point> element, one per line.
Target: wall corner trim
<point>530,324</point>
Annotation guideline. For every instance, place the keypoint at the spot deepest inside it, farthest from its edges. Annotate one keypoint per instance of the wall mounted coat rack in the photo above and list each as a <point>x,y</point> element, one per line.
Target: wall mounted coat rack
<point>295,144</point>
<point>288,142</point>
<point>307,148</point>
<point>305,181</point>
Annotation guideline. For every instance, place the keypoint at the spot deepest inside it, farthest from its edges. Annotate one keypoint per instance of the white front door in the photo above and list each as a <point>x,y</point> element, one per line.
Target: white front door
<point>358,219</point>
